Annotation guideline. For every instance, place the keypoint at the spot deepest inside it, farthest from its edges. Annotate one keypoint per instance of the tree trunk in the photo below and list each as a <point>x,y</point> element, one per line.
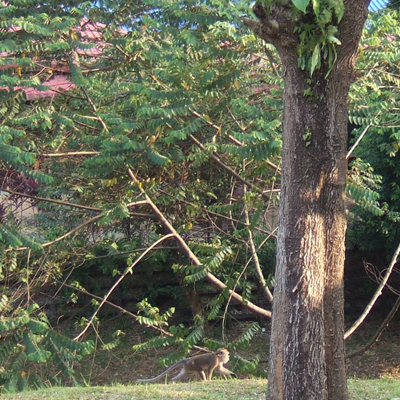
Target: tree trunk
<point>307,345</point>
<point>307,358</point>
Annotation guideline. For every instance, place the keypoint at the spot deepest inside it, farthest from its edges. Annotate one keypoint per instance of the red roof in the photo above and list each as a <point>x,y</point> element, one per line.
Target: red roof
<point>90,32</point>
<point>58,84</point>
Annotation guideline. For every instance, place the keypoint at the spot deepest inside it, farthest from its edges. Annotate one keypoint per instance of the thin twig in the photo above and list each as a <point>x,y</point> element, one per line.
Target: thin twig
<point>267,293</point>
<point>378,292</point>
<point>123,253</point>
<point>128,271</point>
<point>357,142</point>
<point>125,311</point>
<point>237,221</point>
<point>220,215</point>
<point>80,206</point>
<point>272,234</point>
<point>228,302</point>
<point>230,137</point>
<point>71,154</point>
<point>380,330</point>
<point>28,290</point>
<point>272,62</point>
<point>103,124</point>
<point>60,202</point>
<point>61,238</point>
<point>215,157</point>
<point>71,232</point>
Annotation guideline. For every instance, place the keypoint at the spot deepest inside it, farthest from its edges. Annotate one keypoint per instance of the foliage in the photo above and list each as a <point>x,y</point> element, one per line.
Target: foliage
<point>373,106</point>
<point>178,334</point>
<point>318,39</point>
<point>28,339</point>
<point>160,98</point>
<point>181,94</point>
<point>153,316</point>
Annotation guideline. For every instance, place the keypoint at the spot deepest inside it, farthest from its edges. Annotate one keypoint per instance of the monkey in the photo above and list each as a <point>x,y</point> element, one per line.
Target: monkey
<point>203,364</point>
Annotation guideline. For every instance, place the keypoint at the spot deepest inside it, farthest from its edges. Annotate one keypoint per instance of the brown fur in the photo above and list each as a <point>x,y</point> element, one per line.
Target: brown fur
<point>203,364</point>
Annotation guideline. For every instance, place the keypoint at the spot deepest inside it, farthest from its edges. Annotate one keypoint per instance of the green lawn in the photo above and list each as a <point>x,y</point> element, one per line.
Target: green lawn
<point>250,389</point>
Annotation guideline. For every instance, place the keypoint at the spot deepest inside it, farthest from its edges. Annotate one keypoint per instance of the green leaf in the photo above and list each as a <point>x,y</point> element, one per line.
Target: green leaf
<point>315,59</point>
<point>156,157</point>
<point>334,39</point>
<point>316,6</point>
<point>3,302</point>
<point>301,4</point>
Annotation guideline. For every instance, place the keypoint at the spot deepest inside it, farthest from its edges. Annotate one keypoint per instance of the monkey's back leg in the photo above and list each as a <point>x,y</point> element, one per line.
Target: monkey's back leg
<point>181,374</point>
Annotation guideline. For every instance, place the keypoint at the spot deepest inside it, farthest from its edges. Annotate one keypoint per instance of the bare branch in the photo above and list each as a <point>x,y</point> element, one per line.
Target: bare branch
<point>193,258</point>
<point>380,330</point>
<point>123,253</point>
<point>238,222</point>
<point>159,329</point>
<point>378,292</point>
<point>223,216</point>
<point>71,154</point>
<point>128,271</point>
<point>80,206</point>
<point>70,233</point>
<point>215,157</point>
<point>357,142</point>
<point>103,124</point>
<point>60,202</point>
<point>61,238</point>
<point>267,293</point>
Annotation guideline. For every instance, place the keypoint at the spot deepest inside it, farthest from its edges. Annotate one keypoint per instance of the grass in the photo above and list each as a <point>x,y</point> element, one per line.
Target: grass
<point>374,389</point>
<point>241,389</point>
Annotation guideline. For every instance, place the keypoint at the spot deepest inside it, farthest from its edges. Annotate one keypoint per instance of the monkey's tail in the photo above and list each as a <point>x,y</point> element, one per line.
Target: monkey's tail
<point>155,379</point>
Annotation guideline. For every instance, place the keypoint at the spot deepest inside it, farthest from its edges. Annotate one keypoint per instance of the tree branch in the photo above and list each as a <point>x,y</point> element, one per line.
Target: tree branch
<point>71,154</point>
<point>380,330</point>
<point>70,233</point>
<point>216,158</point>
<point>193,258</point>
<point>74,205</point>
<point>230,137</point>
<point>119,308</point>
<point>123,253</point>
<point>378,292</point>
<point>357,142</point>
<point>239,143</point>
<point>79,227</point>
<point>223,216</point>
<point>60,202</point>
<point>61,238</point>
<point>119,280</point>
<point>124,311</point>
<point>267,293</point>
<point>238,222</point>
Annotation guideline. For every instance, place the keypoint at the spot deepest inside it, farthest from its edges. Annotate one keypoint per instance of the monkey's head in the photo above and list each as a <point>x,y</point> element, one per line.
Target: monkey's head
<point>223,355</point>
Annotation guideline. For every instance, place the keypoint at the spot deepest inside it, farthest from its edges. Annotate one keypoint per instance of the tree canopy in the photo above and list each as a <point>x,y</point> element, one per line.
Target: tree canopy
<point>174,110</point>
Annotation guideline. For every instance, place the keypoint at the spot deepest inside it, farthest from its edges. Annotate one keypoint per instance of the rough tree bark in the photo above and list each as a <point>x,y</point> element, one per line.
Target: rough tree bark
<point>307,359</point>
